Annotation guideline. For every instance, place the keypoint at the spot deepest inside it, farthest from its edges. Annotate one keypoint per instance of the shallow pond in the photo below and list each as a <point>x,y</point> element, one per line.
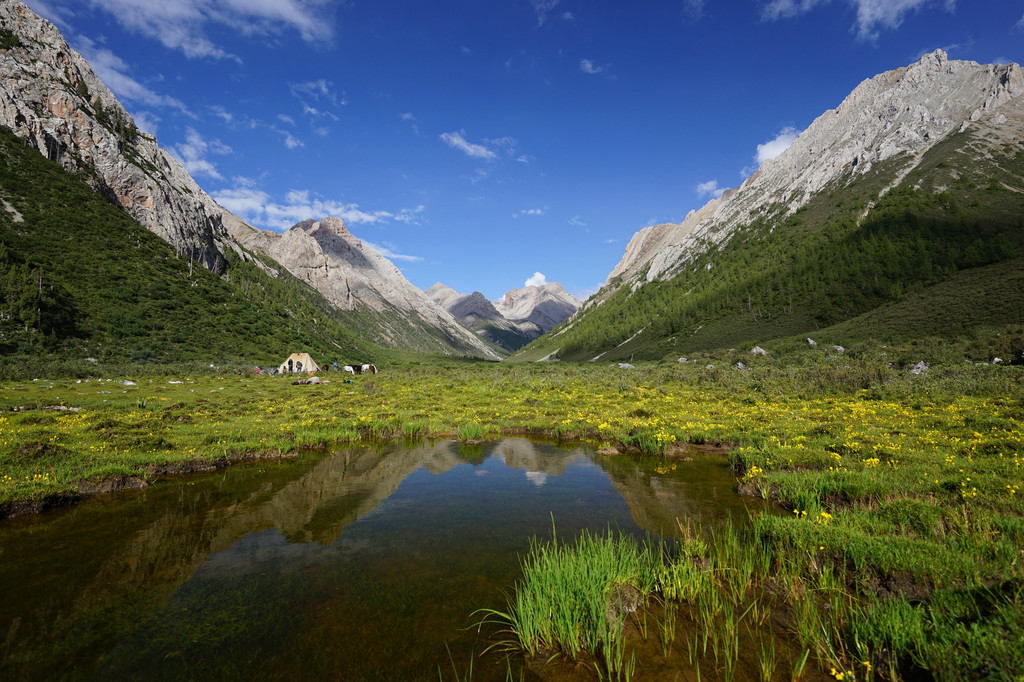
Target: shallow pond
<point>363,563</point>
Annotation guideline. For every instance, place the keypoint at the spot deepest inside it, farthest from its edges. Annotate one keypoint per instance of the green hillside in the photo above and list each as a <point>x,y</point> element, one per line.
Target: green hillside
<point>79,278</point>
<point>951,237</point>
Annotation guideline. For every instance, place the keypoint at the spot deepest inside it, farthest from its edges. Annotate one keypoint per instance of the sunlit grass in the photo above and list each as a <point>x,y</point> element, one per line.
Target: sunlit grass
<point>906,486</point>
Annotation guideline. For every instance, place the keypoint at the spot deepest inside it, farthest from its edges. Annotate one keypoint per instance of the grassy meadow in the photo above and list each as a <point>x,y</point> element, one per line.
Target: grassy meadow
<point>902,551</point>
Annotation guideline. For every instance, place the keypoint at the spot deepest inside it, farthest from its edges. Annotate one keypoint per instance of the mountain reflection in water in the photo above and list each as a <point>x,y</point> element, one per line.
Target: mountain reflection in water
<point>365,563</point>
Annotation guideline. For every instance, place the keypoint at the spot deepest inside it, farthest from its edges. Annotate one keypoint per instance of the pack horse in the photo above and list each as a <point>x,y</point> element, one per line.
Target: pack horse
<point>360,369</point>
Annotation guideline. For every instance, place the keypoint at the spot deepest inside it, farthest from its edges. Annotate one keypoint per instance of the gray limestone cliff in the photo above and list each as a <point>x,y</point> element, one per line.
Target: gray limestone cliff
<point>512,321</point>
<point>51,97</point>
<point>886,124</point>
<point>545,306</point>
<point>352,276</point>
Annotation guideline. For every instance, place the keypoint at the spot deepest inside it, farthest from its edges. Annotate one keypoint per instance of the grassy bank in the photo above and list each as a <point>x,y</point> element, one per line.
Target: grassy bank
<point>905,487</point>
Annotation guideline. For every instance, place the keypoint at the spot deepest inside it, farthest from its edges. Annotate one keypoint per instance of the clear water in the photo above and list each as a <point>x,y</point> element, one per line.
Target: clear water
<point>359,564</point>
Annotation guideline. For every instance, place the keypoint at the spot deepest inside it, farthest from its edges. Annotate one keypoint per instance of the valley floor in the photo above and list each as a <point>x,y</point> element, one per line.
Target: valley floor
<point>909,484</point>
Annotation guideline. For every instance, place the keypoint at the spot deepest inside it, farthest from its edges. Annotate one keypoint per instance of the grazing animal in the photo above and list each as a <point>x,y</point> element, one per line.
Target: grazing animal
<point>360,369</point>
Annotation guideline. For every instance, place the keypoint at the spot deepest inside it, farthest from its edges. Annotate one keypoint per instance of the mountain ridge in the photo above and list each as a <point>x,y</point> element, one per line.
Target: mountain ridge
<point>515,319</point>
<point>883,117</point>
<point>916,175</point>
<point>348,272</point>
<point>52,98</point>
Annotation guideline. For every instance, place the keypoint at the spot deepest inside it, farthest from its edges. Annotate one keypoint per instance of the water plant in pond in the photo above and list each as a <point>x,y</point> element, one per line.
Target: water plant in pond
<point>574,599</point>
<point>724,586</point>
<point>911,483</point>
<point>471,431</point>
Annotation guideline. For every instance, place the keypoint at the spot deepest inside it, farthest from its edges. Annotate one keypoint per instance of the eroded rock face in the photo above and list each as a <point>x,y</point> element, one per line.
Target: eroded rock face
<point>350,274</point>
<point>514,320</point>
<point>50,96</point>
<point>476,306</point>
<point>892,118</point>
<point>546,306</point>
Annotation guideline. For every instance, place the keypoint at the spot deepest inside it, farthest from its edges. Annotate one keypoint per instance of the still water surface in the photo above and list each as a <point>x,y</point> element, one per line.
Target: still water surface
<point>361,564</point>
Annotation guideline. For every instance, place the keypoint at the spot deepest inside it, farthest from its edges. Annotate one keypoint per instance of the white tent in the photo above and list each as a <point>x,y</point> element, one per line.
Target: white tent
<point>299,362</point>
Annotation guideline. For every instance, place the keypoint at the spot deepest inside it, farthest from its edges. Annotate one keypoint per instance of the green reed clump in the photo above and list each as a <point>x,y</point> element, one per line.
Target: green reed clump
<point>471,431</point>
<point>573,599</point>
<point>415,428</point>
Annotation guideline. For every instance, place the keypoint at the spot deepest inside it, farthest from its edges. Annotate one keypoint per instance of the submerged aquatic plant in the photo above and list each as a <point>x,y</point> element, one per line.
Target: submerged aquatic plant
<point>574,599</point>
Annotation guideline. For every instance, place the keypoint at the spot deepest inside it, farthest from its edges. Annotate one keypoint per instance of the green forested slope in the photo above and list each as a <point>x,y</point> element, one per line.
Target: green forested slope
<point>829,263</point>
<point>78,278</point>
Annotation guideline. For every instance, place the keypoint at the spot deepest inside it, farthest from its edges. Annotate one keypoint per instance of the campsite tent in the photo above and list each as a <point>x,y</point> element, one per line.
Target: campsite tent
<point>298,362</point>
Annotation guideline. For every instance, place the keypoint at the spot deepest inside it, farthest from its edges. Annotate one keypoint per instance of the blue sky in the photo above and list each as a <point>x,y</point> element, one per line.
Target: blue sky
<point>484,143</point>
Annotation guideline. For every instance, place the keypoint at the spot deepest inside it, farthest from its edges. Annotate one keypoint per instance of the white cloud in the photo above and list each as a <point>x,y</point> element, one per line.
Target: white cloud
<point>585,293</point>
<point>785,9</point>
<point>181,24</point>
<point>193,152</point>
<point>291,141</point>
<point>531,212</point>
<point>1020,24</point>
<point>772,148</point>
<point>511,148</point>
<point>411,120</point>
<point>257,207</point>
<point>577,221</point>
<point>386,249</point>
<point>113,71</point>
<point>693,9</point>
<point>709,189</point>
<point>242,200</point>
<point>285,118</point>
<point>537,280</point>
<point>888,14</point>
<point>506,142</point>
<point>222,113</point>
<point>146,122</point>
<point>457,140</point>
<point>56,15</point>
<point>871,14</point>
<point>317,98</point>
<point>542,8</point>
<point>587,66</point>
<point>409,215</point>
<point>320,90</point>
<point>538,478</point>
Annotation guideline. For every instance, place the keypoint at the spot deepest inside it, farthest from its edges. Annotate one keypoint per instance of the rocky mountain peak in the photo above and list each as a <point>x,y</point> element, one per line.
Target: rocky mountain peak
<point>475,305</point>
<point>546,305</point>
<point>350,274</point>
<point>892,119</point>
<point>442,294</point>
<point>51,97</point>
<point>335,226</point>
